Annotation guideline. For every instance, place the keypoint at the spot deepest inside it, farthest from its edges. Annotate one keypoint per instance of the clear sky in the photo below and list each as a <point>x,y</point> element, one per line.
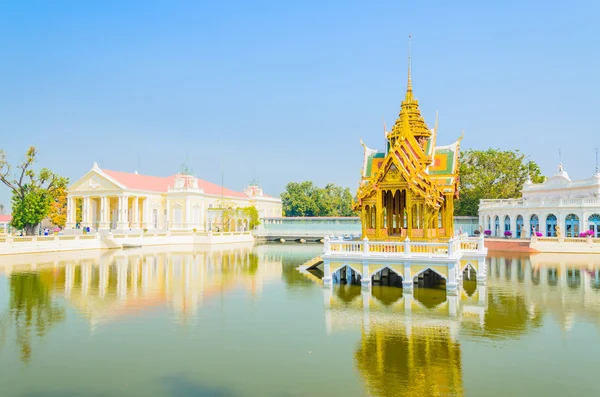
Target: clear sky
<point>284,90</point>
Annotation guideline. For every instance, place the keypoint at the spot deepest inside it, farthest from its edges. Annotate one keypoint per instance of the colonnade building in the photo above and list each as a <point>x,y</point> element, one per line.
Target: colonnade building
<point>109,200</point>
<point>559,205</point>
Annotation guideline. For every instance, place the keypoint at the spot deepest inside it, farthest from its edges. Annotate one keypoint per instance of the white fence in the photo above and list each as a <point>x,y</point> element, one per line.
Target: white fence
<point>450,249</point>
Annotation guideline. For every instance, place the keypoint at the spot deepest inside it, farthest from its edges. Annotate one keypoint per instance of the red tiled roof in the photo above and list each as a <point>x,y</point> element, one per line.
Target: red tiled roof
<point>162,184</point>
<point>5,218</point>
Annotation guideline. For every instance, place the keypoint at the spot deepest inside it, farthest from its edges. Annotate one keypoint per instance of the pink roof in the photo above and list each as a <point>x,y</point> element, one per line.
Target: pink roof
<point>162,185</point>
<point>5,218</point>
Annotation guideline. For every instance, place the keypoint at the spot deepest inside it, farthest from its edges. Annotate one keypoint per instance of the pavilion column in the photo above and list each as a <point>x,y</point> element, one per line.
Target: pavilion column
<point>135,219</point>
<point>377,209</point>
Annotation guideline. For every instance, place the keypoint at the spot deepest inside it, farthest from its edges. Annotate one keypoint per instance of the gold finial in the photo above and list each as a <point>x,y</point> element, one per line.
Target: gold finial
<point>409,88</point>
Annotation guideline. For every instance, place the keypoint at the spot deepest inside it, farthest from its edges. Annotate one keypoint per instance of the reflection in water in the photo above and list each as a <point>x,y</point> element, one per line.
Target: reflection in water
<point>399,343</point>
<point>410,343</point>
<point>33,311</point>
<point>410,361</point>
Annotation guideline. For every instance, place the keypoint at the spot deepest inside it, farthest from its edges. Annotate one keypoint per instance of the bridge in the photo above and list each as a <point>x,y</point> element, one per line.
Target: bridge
<point>314,229</point>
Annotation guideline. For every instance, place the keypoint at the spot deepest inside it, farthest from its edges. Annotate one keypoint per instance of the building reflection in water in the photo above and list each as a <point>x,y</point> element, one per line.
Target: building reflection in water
<point>410,343</point>
<point>106,287</point>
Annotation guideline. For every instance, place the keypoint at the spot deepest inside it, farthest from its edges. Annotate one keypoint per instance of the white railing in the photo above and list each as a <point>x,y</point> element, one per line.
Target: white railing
<point>538,202</point>
<point>454,246</point>
<point>46,239</point>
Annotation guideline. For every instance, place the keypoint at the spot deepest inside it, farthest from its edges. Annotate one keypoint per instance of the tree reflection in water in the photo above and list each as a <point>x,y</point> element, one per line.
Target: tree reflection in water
<point>32,309</point>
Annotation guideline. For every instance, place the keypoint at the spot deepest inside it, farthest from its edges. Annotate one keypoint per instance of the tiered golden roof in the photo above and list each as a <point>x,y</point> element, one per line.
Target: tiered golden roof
<point>409,189</point>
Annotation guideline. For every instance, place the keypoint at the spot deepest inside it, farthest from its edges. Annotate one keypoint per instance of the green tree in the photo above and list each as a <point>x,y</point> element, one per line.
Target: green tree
<point>334,200</point>
<point>253,217</point>
<point>306,199</point>
<point>299,199</point>
<point>58,208</point>
<point>492,174</point>
<point>32,193</point>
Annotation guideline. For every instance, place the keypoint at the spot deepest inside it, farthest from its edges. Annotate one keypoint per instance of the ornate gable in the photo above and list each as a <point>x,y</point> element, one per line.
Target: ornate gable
<point>95,180</point>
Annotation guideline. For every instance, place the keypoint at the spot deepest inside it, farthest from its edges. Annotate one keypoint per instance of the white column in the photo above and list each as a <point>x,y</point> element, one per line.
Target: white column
<point>136,213</point>
<point>86,212</point>
<point>188,212</point>
<point>513,225</point>
<point>145,214</point>
<point>168,216</point>
<point>70,212</point>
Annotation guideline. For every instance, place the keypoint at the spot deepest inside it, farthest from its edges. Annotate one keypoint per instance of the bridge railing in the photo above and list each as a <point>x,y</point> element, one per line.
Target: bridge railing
<point>454,246</point>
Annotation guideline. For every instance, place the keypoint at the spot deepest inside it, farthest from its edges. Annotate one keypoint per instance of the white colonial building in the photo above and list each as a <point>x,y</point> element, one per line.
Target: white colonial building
<point>110,200</point>
<point>557,205</point>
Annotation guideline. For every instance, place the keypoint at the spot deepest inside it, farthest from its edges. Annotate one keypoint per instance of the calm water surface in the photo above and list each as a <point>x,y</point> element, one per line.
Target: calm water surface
<point>242,321</point>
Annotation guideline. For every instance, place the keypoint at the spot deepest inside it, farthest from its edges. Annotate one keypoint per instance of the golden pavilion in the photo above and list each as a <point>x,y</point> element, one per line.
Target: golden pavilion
<point>409,190</point>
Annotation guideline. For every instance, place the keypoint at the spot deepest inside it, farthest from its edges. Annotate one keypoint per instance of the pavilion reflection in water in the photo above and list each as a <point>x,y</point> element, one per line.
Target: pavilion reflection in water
<point>103,287</point>
<point>410,342</point>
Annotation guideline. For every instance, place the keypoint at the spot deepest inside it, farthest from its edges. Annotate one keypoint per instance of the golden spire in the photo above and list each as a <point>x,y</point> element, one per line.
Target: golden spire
<point>409,87</point>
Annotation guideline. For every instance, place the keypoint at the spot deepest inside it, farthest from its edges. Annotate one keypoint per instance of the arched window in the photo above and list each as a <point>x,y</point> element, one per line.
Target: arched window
<point>572,226</point>
<point>535,223</point>
<point>594,221</point>
<point>506,223</point>
<point>496,226</point>
<point>518,232</point>
<point>489,223</point>
<point>551,225</point>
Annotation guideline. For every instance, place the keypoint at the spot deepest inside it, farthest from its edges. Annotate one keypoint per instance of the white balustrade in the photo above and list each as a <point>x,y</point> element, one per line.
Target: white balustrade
<point>405,248</point>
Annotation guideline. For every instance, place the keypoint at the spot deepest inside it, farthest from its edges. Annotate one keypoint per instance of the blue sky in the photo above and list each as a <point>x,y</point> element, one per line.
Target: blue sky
<point>284,90</point>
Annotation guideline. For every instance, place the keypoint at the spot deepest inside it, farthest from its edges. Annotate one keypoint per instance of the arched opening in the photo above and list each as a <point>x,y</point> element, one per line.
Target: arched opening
<point>429,279</point>
<point>535,224</point>
<point>572,225</point>
<point>489,223</point>
<point>594,221</point>
<point>496,226</point>
<point>431,290</point>
<point>386,277</point>
<point>551,225</point>
<point>469,276</point>
<point>519,231</point>
<point>507,223</point>
<point>368,216</point>
<point>346,275</point>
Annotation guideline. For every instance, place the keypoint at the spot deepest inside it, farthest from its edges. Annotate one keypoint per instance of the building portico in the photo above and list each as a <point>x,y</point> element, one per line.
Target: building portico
<point>114,200</point>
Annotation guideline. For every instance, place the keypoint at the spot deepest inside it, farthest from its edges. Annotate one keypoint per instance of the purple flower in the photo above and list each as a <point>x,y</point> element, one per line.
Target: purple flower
<point>538,234</point>
<point>487,232</point>
<point>508,233</point>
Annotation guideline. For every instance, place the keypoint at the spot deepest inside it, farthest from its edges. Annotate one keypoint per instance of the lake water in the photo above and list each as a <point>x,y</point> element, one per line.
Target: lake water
<point>242,321</point>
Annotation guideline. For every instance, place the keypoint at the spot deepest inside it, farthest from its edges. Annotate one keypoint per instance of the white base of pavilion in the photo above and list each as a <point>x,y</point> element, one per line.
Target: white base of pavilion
<point>407,259</point>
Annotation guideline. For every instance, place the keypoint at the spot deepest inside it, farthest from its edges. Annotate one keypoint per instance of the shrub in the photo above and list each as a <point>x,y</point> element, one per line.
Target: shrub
<point>508,233</point>
<point>538,234</point>
<point>477,232</point>
<point>487,232</point>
